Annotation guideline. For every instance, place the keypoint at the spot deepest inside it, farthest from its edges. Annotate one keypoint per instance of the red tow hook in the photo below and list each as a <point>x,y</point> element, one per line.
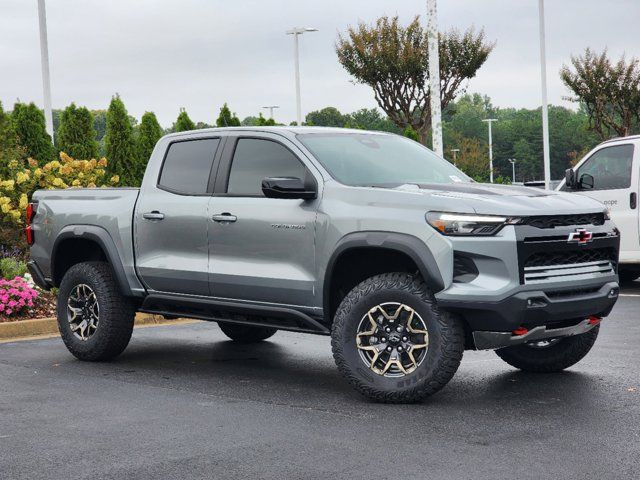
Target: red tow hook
<point>593,320</point>
<point>520,331</point>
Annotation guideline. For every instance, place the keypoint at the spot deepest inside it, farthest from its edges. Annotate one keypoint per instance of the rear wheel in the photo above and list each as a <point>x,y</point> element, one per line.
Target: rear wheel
<point>551,355</point>
<point>392,343</point>
<point>95,320</point>
<point>246,333</point>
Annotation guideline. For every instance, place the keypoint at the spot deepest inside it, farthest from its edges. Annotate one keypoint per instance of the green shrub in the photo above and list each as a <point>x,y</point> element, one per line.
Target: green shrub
<point>11,268</point>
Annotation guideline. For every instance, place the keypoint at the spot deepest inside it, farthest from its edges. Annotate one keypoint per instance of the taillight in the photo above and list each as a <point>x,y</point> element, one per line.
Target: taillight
<point>28,231</point>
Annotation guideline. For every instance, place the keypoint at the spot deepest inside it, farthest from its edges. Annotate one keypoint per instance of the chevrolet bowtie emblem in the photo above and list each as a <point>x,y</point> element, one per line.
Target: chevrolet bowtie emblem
<point>580,236</point>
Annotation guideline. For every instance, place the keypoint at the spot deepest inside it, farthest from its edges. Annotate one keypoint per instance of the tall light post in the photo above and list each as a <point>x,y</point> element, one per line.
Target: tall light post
<point>270,108</point>
<point>296,32</point>
<point>512,161</point>
<point>44,61</point>
<point>545,112</point>
<point>434,76</point>
<point>489,122</point>
<point>455,151</point>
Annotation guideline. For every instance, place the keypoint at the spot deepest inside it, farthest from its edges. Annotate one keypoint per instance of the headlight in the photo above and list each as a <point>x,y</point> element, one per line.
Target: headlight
<point>461,224</point>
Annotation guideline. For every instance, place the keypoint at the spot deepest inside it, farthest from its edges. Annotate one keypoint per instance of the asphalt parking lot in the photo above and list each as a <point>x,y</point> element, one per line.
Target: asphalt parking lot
<point>183,402</point>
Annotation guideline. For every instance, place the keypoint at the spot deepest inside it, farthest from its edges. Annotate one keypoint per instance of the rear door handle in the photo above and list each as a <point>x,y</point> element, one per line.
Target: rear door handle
<point>224,217</point>
<point>155,215</point>
<point>633,200</point>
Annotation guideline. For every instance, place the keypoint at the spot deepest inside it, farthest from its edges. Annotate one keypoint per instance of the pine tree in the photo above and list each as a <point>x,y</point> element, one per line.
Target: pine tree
<point>119,144</point>
<point>9,147</point>
<point>149,132</point>
<point>76,136</point>
<point>29,125</point>
<point>184,123</point>
<point>226,119</point>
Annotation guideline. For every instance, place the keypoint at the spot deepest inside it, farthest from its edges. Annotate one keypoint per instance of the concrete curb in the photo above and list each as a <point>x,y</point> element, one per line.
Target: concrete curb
<point>49,326</point>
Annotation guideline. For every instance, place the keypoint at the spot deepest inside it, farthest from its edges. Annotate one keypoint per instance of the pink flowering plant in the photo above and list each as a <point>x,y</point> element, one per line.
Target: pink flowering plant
<point>15,296</point>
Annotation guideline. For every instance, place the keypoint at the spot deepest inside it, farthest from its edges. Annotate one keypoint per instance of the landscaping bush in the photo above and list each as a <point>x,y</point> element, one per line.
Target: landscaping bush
<point>11,268</point>
<point>22,181</point>
<point>16,296</point>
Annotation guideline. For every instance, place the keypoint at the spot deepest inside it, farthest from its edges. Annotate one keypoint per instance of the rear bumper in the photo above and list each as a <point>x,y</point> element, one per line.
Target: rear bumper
<point>37,275</point>
<point>534,308</point>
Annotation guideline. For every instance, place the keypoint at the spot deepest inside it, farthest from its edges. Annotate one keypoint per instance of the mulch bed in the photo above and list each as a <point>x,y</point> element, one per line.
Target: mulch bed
<point>44,307</point>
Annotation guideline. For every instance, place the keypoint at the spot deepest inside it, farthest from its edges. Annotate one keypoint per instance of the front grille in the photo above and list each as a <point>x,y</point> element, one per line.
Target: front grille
<point>543,259</point>
<point>552,221</point>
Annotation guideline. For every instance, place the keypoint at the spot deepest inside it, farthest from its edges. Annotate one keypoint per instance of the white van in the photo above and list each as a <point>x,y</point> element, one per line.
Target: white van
<point>610,173</point>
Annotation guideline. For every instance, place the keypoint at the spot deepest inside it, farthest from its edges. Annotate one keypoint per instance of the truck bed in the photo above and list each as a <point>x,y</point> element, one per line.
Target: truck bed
<point>110,209</point>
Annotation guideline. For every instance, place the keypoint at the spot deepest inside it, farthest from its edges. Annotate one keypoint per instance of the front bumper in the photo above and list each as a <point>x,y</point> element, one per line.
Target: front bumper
<point>531,277</point>
<point>533,308</point>
<point>493,340</point>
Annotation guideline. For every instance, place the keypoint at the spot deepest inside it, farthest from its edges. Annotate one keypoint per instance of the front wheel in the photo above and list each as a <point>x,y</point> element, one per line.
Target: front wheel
<point>551,355</point>
<point>392,343</point>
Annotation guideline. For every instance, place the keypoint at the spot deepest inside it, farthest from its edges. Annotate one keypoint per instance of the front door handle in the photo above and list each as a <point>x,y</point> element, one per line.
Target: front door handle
<point>155,215</point>
<point>633,200</point>
<point>224,217</point>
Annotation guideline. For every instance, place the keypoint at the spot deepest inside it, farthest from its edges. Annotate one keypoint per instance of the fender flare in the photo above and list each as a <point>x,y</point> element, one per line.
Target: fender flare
<point>411,246</point>
<point>102,237</point>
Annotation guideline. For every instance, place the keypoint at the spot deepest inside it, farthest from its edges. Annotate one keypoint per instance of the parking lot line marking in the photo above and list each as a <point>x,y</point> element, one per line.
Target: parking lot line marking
<point>629,294</point>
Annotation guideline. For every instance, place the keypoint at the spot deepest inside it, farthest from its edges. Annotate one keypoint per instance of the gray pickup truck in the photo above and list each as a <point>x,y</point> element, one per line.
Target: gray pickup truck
<point>367,237</point>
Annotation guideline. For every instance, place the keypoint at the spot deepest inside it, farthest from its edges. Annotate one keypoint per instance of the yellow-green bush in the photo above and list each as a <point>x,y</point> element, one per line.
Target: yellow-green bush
<point>20,183</point>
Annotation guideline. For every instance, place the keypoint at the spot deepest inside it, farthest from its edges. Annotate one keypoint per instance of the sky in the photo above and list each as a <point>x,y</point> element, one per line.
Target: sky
<point>197,54</point>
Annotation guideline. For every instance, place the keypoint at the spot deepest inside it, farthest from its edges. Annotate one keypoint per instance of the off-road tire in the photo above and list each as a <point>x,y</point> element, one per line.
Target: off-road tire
<point>246,333</point>
<point>443,356</point>
<point>554,358</point>
<point>116,317</point>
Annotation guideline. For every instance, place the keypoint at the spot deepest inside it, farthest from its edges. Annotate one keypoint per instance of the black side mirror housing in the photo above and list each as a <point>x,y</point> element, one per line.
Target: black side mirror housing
<point>570,178</point>
<point>288,187</point>
<point>586,181</point>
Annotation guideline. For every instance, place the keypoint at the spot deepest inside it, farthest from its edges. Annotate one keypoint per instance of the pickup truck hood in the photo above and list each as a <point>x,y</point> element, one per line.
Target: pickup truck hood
<point>506,199</point>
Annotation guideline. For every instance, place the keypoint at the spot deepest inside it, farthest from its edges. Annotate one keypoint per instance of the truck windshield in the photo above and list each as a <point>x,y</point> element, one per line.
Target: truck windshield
<point>361,159</point>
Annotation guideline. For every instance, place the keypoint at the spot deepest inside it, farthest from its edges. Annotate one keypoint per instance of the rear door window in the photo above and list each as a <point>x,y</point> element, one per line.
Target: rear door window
<point>187,166</point>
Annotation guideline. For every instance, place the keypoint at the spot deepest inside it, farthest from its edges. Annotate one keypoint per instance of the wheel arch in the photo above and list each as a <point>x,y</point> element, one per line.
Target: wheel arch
<point>403,246</point>
<point>78,243</point>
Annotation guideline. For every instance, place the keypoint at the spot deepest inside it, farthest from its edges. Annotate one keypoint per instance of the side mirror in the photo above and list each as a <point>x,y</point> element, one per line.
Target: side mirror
<point>586,181</point>
<point>570,178</point>
<point>288,187</point>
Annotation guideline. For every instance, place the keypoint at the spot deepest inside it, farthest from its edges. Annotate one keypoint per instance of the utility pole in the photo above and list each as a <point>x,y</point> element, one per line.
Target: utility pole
<point>270,108</point>
<point>434,76</point>
<point>545,111</point>
<point>44,61</point>
<point>512,161</point>
<point>489,122</point>
<point>296,32</point>
<point>455,151</point>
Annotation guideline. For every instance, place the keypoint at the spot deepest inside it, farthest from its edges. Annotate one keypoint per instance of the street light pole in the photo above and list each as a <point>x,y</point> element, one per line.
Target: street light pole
<point>489,122</point>
<point>297,32</point>
<point>434,76</point>
<point>270,108</point>
<point>512,161</point>
<point>455,151</point>
<point>545,112</point>
<point>44,61</point>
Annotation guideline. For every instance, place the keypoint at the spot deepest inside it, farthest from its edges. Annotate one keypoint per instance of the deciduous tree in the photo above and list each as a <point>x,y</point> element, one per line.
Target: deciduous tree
<point>392,59</point>
<point>609,91</point>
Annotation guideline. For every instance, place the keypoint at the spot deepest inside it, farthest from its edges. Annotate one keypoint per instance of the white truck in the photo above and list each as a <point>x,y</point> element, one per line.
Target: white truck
<point>610,173</point>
